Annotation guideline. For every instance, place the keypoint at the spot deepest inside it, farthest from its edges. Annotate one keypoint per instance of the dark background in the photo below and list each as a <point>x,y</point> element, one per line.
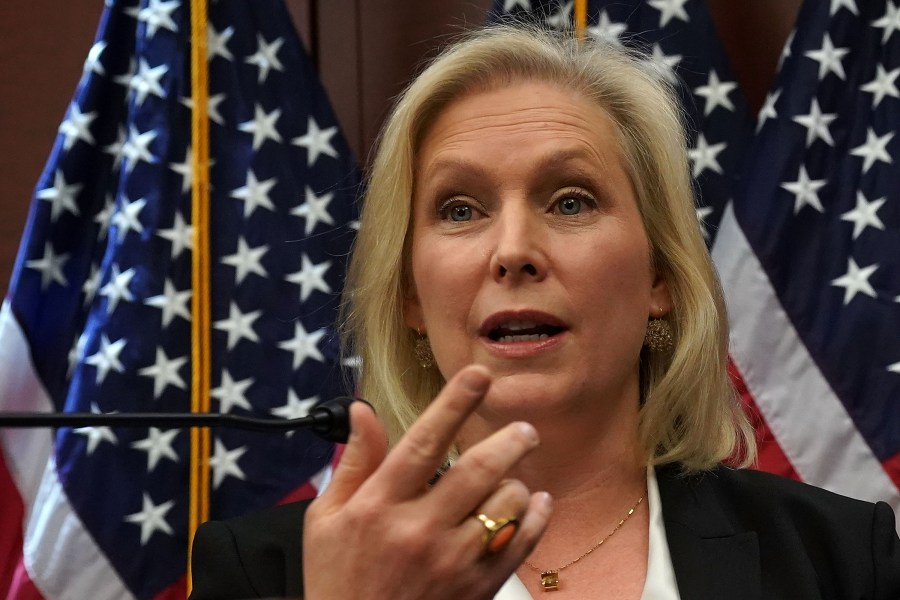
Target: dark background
<point>365,51</point>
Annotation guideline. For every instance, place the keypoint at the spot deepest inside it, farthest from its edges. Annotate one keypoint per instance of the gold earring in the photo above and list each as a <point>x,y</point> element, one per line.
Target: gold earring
<point>422,350</point>
<point>659,337</point>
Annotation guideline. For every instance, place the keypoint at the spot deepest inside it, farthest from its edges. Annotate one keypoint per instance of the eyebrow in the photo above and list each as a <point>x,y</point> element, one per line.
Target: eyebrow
<point>552,160</point>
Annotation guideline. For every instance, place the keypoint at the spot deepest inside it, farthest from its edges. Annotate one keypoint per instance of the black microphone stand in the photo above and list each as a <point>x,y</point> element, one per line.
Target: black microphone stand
<point>329,420</point>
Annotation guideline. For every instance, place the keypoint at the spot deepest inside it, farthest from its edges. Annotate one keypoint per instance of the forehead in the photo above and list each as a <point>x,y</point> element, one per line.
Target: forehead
<point>523,115</point>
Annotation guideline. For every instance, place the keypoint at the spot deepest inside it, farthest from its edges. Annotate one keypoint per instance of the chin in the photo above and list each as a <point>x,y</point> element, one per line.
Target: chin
<point>528,396</point>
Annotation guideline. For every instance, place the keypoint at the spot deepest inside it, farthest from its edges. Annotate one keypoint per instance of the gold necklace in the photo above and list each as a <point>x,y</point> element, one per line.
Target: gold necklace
<point>550,577</point>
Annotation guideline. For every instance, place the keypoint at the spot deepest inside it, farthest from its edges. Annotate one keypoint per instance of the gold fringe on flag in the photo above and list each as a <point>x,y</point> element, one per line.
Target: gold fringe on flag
<point>581,7</point>
<point>200,280</point>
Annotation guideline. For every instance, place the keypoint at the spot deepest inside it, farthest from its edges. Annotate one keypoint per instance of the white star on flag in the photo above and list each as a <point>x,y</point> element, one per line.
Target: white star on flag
<point>829,58</point>
<point>704,156</point>
<point>165,372</point>
<point>128,218</point>
<point>716,93</point>
<point>89,289</point>
<point>61,196</point>
<point>246,260</point>
<point>768,109</point>
<point>262,126</point>
<point>137,148</point>
<point>117,148</point>
<point>96,435</point>
<point>77,126</point>
<point>151,518</point>
<point>172,303</point>
<point>848,4</point>
<point>856,281</point>
<point>509,5</point>
<point>562,18</point>
<point>92,63</point>
<point>702,213</point>
<point>608,30</point>
<point>238,325</point>
<point>295,408</point>
<point>670,9</point>
<point>890,22</point>
<point>303,345</point>
<point>314,210</point>
<point>883,85</point>
<point>217,42</point>
<point>117,288</point>
<point>864,215</point>
<point>50,266</point>
<point>104,216</point>
<point>231,393</point>
<point>266,56</point>
<point>223,463</point>
<point>106,358</point>
<point>805,191</point>
<point>816,123</point>
<point>255,193</point>
<point>316,141</point>
<point>146,82</point>
<point>212,107</point>
<point>310,277</point>
<point>158,13</point>
<point>157,445</point>
<point>180,234</point>
<point>666,63</point>
<point>874,149</point>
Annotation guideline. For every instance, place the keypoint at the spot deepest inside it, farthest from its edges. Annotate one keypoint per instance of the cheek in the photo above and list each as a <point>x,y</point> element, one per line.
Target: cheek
<point>446,280</point>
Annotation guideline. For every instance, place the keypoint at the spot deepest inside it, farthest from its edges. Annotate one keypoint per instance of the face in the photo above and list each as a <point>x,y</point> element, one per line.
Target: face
<point>528,251</point>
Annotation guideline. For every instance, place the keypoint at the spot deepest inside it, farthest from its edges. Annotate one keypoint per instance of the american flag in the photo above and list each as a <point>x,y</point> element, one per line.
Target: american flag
<point>98,315</point>
<point>800,205</point>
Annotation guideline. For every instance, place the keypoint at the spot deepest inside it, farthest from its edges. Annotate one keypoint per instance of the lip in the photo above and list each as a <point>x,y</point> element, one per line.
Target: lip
<point>521,349</point>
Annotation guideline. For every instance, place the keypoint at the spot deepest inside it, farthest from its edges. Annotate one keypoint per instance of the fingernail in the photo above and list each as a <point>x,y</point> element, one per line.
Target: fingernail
<point>529,432</point>
<point>545,501</point>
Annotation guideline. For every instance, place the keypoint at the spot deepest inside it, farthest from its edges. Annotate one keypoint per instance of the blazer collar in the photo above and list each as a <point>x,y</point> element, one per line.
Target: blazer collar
<point>711,559</point>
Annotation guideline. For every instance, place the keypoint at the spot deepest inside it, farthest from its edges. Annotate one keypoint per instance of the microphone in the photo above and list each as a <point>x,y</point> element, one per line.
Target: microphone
<point>329,420</point>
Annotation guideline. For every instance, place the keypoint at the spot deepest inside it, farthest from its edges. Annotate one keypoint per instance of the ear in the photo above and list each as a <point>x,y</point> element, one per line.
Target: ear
<point>660,298</point>
<point>412,310</point>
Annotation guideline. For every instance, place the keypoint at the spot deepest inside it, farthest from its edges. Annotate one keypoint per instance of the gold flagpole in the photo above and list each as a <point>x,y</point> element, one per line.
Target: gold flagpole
<point>200,282</point>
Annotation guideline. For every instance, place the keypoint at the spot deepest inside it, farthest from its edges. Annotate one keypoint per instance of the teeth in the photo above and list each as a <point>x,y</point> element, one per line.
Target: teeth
<point>519,325</point>
<point>512,339</point>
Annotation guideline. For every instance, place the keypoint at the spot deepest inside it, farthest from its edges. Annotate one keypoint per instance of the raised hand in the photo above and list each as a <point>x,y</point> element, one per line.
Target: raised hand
<point>378,531</point>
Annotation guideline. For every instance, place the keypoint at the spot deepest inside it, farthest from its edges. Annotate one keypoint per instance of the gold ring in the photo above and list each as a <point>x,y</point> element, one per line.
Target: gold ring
<point>497,533</point>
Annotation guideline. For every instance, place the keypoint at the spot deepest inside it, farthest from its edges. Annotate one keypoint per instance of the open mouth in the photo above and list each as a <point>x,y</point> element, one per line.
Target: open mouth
<point>512,332</point>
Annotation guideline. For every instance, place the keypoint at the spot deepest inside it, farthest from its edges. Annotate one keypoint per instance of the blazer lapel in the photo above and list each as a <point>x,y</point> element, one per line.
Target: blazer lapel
<point>711,559</point>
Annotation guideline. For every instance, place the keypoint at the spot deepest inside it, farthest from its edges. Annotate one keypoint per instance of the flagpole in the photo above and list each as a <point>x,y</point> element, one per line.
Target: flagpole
<point>200,279</point>
<point>580,18</point>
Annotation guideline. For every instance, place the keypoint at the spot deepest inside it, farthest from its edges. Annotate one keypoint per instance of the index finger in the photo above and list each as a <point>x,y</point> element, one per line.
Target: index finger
<point>423,449</point>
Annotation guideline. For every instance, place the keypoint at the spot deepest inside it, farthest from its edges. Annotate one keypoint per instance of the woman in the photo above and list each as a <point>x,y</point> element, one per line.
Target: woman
<point>530,294</point>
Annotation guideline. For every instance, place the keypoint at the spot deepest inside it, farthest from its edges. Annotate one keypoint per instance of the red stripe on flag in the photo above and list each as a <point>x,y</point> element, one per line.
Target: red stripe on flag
<point>11,518</point>
<point>892,467</point>
<point>771,457</point>
<point>176,591</point>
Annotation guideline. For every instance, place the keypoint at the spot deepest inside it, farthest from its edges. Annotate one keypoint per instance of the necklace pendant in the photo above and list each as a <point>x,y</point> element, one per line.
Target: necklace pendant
<point>550,580</point>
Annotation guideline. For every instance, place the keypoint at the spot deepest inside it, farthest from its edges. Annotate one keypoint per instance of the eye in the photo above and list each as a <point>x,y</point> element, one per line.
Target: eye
<point>457,210</point>
<point>570,205</point>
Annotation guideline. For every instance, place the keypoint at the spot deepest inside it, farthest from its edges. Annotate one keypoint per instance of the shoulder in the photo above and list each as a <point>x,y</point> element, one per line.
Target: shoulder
<point>800,531</point>
<point>756,498</point>
<point>256,555</point>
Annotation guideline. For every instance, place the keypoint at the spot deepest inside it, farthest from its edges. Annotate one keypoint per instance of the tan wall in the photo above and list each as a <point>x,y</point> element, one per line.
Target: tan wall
<point>365,50</point>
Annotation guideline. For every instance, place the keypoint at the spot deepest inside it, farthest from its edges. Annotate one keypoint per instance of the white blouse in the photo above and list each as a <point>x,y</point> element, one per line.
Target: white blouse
<point>660,583</point>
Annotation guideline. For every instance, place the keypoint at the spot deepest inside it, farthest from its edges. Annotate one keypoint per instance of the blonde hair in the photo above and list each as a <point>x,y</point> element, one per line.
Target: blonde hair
<point>689,412</point>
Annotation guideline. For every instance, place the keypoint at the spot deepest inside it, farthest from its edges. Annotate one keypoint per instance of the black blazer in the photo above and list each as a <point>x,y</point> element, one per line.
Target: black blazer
<point>732,534</point>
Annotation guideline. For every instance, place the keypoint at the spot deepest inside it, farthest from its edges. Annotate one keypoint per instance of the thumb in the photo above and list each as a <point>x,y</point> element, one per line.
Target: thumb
<point>366,449</point>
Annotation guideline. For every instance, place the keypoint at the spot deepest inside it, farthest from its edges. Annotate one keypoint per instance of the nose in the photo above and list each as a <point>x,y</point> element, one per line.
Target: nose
<point>520,251</point>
